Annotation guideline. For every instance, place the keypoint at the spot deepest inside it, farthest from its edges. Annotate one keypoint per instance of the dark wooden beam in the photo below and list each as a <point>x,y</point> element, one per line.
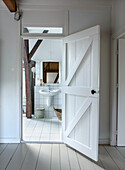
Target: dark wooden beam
<point>56,79</point>
<point>11,5</point>
<point>27,80</point>
<point>34,49</point>
<point>36,46</point>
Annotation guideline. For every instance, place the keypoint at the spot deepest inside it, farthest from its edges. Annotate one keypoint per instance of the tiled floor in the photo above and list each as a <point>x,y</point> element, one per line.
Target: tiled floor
<point>42,129</point>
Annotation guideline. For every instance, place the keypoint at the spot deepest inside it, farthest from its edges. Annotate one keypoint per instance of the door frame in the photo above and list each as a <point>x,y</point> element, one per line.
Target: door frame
<point>114,89</point>
<point>21,39</point>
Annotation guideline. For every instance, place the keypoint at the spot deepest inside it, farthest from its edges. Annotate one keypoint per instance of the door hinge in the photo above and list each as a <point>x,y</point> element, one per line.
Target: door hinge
<point>116,132</point>
<point>117,52</point>
<point>117,85</point>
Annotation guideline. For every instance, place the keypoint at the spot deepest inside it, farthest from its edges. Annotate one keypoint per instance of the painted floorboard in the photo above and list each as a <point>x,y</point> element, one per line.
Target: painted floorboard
<point>106,159</point>
<point>2,147</point>
<point>31,157</point>
<point>6,155</point>
<point>116,156</point>
<point>64,159</point>
<point>44,160</point>
<point>58,157</point>
<point>121,150</point>
<point>18,157</point>
<point>85,164</point>
<point>74,164</point>
<point>55,160</point>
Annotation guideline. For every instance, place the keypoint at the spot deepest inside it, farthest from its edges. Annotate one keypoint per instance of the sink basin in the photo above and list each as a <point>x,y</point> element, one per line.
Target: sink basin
<point>49,92</point>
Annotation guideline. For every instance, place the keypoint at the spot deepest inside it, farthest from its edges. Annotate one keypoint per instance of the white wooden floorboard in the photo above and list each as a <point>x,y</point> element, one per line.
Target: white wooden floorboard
<point>116,156</point>
<point>96,167</point>
<point>2,147</point>
<point>44,160</point>
<point>99,162</point>
<point>18,157</point>
<point>64,159</point>
<point>6,155</point>
<point>31,157</point>
<point>121,150</point>
<point>74,164</point>
<point>42,130</point>
<point>85,164</point>
<point>58,157</point>
<point>55,160</point>
<point>106,159</point>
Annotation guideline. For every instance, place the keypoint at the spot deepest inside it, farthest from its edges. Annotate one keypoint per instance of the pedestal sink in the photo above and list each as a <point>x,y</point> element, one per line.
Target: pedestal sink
<point>49,94</point>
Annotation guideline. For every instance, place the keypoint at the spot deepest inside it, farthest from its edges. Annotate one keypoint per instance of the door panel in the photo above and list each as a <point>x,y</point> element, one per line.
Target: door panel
<point>121,94</point>
<point>80,107</point>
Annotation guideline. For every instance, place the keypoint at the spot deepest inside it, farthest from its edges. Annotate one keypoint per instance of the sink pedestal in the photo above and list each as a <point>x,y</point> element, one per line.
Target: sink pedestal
<point>49,100</point>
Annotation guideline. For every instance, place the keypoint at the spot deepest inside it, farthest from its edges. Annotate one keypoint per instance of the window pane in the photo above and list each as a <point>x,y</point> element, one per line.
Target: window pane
<point>43,30</point>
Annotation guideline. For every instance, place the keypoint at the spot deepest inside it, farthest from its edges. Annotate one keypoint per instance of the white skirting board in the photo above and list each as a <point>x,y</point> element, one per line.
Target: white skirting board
<point>104,141</point>
<point>8,140</point>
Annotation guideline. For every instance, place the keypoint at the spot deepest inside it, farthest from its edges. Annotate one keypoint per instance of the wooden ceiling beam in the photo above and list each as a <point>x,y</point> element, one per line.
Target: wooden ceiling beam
<point>11,5</point>
<point>35,47</point>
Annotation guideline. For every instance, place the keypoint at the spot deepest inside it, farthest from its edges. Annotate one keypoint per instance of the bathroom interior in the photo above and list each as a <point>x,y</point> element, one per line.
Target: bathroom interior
<point>45,72</point>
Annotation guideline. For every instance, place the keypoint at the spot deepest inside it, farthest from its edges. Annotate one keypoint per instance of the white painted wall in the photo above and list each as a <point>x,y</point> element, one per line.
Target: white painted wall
<point>48,50</point>
<point>9,105</point>
<point>78,20</point>
<point>118,17</point>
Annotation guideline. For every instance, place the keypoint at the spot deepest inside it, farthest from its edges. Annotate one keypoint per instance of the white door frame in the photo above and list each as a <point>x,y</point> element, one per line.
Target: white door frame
<point>22,38</point>
<point>114,89</point>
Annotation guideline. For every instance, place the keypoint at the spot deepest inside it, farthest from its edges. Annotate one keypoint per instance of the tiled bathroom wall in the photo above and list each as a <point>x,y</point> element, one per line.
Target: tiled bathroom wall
<point>41,101</point>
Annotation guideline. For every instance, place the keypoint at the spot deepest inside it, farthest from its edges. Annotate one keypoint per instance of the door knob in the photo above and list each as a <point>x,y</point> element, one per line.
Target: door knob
<point>93,91</point>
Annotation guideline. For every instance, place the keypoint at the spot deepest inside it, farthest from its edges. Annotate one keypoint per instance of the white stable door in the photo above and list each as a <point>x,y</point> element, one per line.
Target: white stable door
<point>121,94</point>
<point>81,91</point>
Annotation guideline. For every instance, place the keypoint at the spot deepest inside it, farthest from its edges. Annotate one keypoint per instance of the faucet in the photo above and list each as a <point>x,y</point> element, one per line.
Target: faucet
<point>47,85</point>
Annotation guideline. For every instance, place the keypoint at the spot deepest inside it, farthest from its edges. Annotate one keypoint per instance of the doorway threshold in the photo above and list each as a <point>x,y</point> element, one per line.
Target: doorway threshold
<point>43,142</point>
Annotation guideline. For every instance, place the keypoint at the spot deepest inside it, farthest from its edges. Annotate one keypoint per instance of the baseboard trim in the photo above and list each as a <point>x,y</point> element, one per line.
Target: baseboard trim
<point>104,141</point>
<point>7,140</point>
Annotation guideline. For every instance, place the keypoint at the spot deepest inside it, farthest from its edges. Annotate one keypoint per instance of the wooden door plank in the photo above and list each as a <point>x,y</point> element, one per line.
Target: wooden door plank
<point>44,157</point>
<point>106,159</point>
<point>2,147</point>
<point>55,161</point>
<point>77,63</point>
<point>31,157</point>
<point>18,157</point>
<point>77,91</point>
<point>64,159</point>
<point>116,156</point>
<point>6,155</point>
<point>78,115</point>
<point>73,160</point>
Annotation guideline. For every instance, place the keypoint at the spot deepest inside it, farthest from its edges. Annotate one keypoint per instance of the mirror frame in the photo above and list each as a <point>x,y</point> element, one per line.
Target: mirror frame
<point>60,71</point>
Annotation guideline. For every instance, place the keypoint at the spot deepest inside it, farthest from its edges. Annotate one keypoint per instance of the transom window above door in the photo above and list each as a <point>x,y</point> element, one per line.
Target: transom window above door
<point>43,30</point>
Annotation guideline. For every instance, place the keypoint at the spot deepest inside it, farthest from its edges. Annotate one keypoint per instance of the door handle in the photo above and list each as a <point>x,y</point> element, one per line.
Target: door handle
<point>93,91</point>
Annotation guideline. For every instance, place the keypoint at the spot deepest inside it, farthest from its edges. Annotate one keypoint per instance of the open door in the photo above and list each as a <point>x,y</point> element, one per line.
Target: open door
<point>121,93</point>
<point>81,91</point>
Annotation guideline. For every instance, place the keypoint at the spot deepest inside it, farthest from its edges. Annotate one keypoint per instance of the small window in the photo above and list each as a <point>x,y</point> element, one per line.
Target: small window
<point>43,30</point>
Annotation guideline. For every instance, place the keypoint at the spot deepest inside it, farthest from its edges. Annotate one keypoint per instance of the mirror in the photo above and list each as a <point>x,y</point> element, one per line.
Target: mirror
<point>50,72</point>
